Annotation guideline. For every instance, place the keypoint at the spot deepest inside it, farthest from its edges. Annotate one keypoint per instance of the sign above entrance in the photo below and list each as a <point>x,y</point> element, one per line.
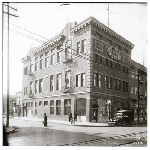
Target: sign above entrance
<point>114,53</point>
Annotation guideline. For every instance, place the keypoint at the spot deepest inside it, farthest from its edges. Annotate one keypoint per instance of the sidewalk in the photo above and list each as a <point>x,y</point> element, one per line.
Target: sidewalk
<point>84,124</point>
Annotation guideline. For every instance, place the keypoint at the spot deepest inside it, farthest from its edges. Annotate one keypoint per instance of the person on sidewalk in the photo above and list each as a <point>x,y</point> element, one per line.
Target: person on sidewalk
<point>75,116</point>
<point>69,117</point>
<point>45,120</point>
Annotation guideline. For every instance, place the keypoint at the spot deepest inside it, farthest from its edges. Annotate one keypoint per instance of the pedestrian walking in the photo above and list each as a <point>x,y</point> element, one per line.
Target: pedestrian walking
<point>45,120</point>
<point>69,117</point>
<point>75,116</point>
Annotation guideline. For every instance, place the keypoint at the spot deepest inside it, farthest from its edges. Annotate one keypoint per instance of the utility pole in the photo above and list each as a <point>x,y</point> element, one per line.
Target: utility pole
<point>7,122</point>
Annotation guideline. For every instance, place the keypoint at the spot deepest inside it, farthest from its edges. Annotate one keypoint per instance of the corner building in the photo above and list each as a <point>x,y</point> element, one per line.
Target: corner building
<point>84,69</point>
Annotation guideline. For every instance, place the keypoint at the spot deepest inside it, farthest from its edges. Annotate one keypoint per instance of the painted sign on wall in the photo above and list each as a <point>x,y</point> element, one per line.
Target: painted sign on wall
<point>113,53</point>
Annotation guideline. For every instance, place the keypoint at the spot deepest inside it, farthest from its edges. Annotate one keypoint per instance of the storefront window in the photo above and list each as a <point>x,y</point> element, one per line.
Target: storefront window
<point>67,104</point>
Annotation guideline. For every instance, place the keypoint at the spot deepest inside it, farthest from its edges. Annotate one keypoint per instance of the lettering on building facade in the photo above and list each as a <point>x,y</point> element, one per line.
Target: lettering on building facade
<point>114,53</point>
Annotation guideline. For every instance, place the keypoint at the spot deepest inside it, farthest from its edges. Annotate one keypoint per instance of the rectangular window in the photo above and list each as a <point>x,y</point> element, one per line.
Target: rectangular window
<point>132,90</point>
<point>36,66</point>
<point>25,71</point>
<point>52,83</point>
<point>118,47</point>
<point>124,86</point>
<point>123,69</point>
<point>58,57</point>
<point>68,78</point>
<point>96,79</point>
<point>84,45</point>
<point>110,83</point>
<point>25,90</point>
<point>31,68</point>
<point>126,51</point>
<point>58,82</point>
<point>99,35</point>
<point>36,86</point>
<point>135,90</point>
<point>52,59</point>
<point>52,107</point>
<point>35,104</point>
<point>58,107</point>
<point>115,84</point>
<point>41,61</point>
<point>41,64</point>
<point>40,103</point>
<point>67,104</point>
<point>100,80</point>
<point>78,80</point>
<point>31,87</point>
<point>45,103</point>
<point>46,62</point>
<point>40,85</point>
<point>127,70</point>
<point>119,67</point>
<point>106,82</point>
<point>119,85</point>
<point>82,79</point>
<point>78,48</point>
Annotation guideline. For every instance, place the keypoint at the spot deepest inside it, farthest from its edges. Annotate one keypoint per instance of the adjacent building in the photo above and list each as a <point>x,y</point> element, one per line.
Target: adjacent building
<point>138,98</point>
<point>84,69</point>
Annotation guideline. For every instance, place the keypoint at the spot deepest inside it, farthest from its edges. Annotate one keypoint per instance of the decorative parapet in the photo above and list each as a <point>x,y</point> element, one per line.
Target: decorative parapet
<point>26,58</point>
<point>101,26</point>
<point>57,41</point>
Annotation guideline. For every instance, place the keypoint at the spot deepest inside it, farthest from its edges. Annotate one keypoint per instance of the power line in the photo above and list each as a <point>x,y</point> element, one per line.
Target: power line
<point>25,35</point>
<point>133,29</point>
<point>27,30</point>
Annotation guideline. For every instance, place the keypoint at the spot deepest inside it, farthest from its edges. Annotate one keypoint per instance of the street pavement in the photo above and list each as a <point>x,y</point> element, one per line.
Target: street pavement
<point>33,133</point>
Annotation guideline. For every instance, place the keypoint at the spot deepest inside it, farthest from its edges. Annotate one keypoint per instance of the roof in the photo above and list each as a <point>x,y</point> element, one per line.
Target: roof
<point>104,27</point>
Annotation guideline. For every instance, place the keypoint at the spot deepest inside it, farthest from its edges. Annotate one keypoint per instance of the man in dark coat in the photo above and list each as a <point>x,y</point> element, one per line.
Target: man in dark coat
<point>45,120</point>
<point>69,117</point>
<point>75,116</point>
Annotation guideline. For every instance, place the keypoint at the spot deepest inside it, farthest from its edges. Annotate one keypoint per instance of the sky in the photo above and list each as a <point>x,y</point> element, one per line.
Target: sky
<point>45,20</point>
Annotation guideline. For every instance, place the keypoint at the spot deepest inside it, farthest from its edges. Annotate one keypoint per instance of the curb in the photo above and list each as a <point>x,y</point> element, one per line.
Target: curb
<point>68,124</point>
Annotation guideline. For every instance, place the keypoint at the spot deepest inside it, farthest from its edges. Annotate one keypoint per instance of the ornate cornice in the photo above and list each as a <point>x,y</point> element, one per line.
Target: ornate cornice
<point>49,43</point>
<point>92,20</point>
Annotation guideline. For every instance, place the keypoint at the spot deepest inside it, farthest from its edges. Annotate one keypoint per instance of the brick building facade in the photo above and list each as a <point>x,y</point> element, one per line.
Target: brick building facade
<point>80,70</point>
<point>138,77</point>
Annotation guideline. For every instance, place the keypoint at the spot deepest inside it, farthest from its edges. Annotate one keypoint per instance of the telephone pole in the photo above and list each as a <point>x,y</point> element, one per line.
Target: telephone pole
<point>7,122</point>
